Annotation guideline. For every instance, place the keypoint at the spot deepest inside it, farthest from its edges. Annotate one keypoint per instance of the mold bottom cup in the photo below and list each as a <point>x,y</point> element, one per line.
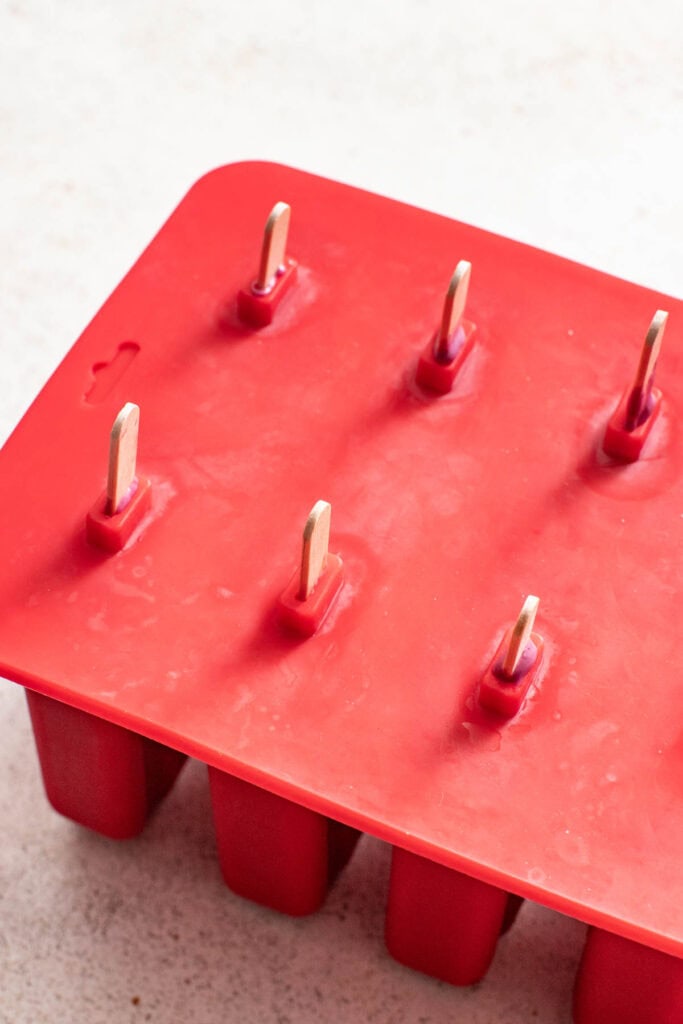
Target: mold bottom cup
<point>100,775</point>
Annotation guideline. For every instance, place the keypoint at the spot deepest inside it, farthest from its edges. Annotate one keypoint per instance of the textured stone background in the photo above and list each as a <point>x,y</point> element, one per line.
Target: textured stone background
<point>560,126</point>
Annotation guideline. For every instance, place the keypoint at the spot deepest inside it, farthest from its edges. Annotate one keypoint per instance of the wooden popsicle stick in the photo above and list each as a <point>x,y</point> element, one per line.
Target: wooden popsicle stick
<point>642,386</point>
<point>123,449</point>
<point>453,309</point>
<point>315,547</point>
<point>519,637</point>
<point>273,248</point>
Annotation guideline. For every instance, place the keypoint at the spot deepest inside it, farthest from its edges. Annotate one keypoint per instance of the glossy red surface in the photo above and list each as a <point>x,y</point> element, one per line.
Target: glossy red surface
<point>447,510</point>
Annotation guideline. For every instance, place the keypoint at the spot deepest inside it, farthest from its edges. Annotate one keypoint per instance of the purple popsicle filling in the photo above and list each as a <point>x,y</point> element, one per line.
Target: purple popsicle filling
<point>526,662</point>
<point>455,343</point>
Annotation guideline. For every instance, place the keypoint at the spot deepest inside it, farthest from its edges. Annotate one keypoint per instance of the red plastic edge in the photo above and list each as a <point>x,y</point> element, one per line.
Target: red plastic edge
<point>439,377</point>
<point>626,445</point>
<point>505,697</point>
<point>305,617</point>
<point>259,310</point>
<point>112,532</point>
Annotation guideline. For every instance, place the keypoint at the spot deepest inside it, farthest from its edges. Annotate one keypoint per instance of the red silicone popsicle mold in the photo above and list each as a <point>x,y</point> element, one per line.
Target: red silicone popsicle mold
<point>448,509</point>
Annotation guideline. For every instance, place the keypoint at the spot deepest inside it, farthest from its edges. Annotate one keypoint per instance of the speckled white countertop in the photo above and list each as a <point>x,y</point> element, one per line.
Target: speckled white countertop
<point>560,126</point>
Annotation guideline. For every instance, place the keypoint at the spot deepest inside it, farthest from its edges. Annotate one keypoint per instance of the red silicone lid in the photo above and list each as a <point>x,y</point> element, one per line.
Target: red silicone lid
<point>447,510</point>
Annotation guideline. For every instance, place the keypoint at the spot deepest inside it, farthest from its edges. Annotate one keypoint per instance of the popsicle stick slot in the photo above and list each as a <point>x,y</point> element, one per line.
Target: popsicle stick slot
<point>314,586</point>
<point>515,666</point>
<point>127,496</point>
<point>276,274</point>
<point>447,350</point>
<point>630,424</point>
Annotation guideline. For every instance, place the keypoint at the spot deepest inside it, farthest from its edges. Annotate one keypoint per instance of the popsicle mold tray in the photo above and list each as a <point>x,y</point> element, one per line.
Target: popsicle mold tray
<point>449,505</point>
